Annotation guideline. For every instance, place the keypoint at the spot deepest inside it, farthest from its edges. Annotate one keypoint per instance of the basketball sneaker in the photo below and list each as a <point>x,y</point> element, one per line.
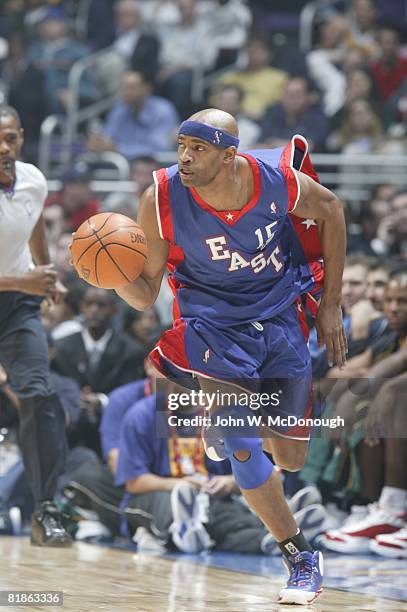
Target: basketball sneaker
<point>10,521</point>
<point>304,497</point>
<point>391,544</point>
<point>311,520</point>
<point>47,529</point>
<point>213,444</point>
<point>304,584</point>
<point>187,530</point>
<point>355,536</point>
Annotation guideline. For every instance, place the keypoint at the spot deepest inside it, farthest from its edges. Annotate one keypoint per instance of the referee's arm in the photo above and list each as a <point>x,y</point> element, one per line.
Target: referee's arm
<point>39,243</point>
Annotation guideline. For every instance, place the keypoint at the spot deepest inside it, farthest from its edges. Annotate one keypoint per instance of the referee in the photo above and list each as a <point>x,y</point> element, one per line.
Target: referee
<point>23,346</point>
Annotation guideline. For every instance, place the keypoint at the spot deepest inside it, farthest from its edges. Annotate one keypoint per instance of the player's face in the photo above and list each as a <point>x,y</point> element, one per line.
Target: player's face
<point>11,140</point>
<point>395,307</point>
<point>199,162</point>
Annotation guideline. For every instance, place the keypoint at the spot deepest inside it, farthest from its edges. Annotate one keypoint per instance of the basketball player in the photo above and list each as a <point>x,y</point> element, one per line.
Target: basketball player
<point>23,345</point>
<point>219,221</point>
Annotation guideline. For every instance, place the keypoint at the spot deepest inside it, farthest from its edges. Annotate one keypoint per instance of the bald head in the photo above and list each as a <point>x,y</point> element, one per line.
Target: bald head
<point>218,119</point>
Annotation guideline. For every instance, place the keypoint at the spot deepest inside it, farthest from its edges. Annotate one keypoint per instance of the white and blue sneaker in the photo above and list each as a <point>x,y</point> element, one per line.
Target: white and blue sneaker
<point>311,520</point>
<point>305,581</point>
<point>189,508</point>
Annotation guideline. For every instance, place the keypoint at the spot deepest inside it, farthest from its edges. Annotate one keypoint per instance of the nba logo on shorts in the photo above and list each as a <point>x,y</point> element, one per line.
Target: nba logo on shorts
<point>206,358</point>
<point>273,207</point>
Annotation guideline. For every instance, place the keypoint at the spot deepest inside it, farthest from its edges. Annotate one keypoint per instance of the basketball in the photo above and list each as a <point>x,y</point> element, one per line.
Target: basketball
<point>109,250</point>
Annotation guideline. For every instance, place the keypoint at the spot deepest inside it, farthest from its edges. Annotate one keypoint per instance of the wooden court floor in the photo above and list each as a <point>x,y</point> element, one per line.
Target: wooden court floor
<point>97,578</point>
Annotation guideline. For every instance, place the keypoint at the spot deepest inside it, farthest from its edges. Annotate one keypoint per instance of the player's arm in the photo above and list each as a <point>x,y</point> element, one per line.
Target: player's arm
<point>317,202</point>
<point>142,293</point>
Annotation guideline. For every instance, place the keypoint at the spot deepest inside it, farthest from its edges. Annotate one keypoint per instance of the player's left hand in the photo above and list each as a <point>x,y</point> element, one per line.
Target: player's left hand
<point>59,291</point>
<point>220,486</point>
<point>331,333</point>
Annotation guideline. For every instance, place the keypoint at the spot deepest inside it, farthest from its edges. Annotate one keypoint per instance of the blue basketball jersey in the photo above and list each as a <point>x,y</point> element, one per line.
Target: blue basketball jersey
<point>235,266</point>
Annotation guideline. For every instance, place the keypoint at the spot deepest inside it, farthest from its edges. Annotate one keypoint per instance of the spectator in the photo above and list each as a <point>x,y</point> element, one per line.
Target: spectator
<point>332,61</point>
<point>391,236</point>
<point>361,130</point>
<point>99,359</point>
<point>139,123</point>
<point>185,47</point>
<point>262,84</point>
<point>144,326</point>
<point>229,99</point>
<point>63,319</point>
<point>372,212</point>
<point>384,448</point>
<point>134,43</point>
<point>390,70</point>
<point>76,198</point>
<point>62,258</point>
<point>377,281</point>
<point>167,478</point>
<point>54,55</point>
<point>228,22</point>
<point>142,169</point>
<point>362,20</point>
<point>120,401</point>
<point>363,324</point>
<point>295,114</point>
<point>54,225</point>
<point>359,85</point>
<point>100,24</point>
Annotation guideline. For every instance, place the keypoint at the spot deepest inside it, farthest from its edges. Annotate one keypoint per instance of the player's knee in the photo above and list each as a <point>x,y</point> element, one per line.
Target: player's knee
<point>250,466</point>
<point>242,455</point>
<point>290,463</point>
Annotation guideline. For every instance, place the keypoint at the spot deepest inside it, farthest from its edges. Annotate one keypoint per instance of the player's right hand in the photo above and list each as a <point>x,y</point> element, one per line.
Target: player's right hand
<point>40,281</point>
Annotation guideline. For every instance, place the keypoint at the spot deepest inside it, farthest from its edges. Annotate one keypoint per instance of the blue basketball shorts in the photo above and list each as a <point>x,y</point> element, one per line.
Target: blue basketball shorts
<point>270,357</point>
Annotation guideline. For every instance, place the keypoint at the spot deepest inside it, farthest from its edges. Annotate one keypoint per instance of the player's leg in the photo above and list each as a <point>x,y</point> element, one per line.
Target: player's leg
<point>24,353</point>
<point>288,454</point>
<point>261,486</point>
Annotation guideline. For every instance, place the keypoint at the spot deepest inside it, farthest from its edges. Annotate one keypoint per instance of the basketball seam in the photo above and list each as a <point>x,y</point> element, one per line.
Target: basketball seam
<point>103,224</point>
<point>103,247</point>
<point>86,250</point>
<point>108,234</point>
<point>127,247</point>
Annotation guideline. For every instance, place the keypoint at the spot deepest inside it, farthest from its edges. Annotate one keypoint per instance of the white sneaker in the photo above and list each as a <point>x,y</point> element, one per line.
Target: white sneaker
<point>356,534</point>
<point>391,545</point>
<point>187,530</point>
<point>88,530</point>
<point>311,520</point>
<point>304,497</point>
<point>146,541</point>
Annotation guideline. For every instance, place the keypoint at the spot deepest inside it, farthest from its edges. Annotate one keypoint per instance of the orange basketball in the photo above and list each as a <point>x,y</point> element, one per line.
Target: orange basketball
<point>109,250</point>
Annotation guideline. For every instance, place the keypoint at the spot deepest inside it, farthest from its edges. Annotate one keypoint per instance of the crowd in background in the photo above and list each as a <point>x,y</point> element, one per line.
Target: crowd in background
<point>348,94</point>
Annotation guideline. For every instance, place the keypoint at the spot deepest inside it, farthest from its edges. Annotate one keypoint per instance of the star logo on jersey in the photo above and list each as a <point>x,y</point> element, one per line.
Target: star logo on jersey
<point>207,355</point>
<point>273,208</point>
<point>308,223</point>
<point>230,217</point>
